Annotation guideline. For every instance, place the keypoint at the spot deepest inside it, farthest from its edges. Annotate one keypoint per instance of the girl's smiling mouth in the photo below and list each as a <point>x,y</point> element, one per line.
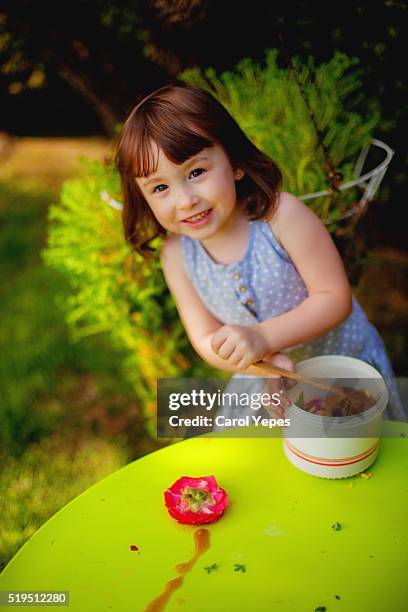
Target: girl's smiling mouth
<point>199,218</point>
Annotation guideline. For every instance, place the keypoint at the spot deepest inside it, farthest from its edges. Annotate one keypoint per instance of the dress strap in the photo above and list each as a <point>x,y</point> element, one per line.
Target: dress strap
<point>268,232</point>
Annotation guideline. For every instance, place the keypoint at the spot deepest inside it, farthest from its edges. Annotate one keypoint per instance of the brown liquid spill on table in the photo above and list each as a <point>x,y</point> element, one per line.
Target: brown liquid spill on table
<point>202,543</point>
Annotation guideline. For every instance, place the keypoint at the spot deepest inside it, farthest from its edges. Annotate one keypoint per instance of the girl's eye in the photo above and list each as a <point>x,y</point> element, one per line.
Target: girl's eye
<point>197,170</point>
<point>194,173</point>
<point>158,188</point>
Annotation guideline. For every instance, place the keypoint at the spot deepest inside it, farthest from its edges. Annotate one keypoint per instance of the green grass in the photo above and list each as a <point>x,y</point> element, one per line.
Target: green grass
<point>67,415</point>
<point>32,490</point>
<point>36,352</point>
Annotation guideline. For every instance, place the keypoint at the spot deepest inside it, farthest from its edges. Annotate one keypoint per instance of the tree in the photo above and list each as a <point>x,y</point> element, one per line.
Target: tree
<point>95,47</point>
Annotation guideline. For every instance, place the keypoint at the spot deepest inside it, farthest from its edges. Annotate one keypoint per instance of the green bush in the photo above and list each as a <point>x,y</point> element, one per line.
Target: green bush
<point>115,291</point>
<point>268,104</point>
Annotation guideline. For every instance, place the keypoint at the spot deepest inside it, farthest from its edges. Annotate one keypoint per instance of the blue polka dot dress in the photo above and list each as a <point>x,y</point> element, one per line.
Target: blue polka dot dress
<point>265,283</point>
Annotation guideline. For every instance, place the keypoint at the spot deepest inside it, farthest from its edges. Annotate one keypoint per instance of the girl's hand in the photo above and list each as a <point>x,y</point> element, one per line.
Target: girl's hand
<point>239,345</point>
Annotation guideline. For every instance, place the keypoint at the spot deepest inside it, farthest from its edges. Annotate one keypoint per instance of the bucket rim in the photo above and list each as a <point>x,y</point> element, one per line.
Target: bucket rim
<point>352,420</point>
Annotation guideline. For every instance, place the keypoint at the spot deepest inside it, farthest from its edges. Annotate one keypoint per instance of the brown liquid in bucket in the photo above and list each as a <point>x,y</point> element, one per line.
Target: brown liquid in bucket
<point>336,405</point>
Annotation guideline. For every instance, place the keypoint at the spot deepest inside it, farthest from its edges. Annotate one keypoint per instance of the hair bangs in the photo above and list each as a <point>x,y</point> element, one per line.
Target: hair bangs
<point>179,140</point>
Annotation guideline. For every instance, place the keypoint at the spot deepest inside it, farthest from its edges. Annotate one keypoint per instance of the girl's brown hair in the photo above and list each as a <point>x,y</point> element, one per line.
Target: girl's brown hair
<point>182,120</point>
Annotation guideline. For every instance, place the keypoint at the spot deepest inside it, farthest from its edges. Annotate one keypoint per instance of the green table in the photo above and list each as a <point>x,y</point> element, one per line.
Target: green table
<point>278,526</point>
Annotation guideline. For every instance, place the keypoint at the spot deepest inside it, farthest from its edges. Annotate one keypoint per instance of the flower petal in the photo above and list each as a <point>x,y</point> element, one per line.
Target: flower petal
<point>178,503</point>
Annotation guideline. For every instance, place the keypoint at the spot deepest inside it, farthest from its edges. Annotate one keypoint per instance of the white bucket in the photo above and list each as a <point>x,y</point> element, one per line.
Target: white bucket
<point>309,443</point>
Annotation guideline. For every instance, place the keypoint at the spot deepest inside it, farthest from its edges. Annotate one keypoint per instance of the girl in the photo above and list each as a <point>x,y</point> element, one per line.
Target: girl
<point>253,271</point>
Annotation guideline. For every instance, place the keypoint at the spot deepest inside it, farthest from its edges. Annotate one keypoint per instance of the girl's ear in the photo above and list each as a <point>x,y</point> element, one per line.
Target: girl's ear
<point>238,174</point>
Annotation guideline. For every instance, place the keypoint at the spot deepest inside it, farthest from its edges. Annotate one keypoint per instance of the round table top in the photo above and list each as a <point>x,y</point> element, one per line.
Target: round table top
<point>274,548</point>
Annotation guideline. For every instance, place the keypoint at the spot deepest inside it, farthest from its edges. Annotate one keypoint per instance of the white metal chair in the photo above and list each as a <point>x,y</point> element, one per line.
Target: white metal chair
<point>368,182</point>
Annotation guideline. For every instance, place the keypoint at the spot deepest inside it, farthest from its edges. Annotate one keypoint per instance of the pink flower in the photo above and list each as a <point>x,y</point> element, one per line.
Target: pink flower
<point>196,501</point>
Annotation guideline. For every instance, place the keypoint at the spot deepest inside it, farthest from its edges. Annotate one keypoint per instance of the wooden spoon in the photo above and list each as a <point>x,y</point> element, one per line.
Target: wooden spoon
<point>262,368</point>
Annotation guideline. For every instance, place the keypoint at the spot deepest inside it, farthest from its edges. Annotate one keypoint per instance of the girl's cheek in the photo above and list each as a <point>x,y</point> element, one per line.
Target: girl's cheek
<point>157,208</point>
<point>165,216</point>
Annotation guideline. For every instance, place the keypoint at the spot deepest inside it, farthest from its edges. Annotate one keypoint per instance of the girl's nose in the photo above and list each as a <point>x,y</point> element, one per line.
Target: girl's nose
<point>187,199</point>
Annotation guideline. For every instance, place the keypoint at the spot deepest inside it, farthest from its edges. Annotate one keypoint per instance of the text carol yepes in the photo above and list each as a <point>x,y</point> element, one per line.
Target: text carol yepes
<point>222,421</point>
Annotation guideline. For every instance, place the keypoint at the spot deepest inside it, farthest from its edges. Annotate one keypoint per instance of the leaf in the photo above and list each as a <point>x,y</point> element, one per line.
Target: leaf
<point>211,568</point>
<point>239,567</point>
<point>300,402</point>
<point>336,526</point>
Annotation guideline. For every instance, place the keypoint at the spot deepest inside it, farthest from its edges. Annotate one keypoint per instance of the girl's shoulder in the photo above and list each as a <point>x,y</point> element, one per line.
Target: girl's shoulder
<point>171,249</point>
<point>288,210</point>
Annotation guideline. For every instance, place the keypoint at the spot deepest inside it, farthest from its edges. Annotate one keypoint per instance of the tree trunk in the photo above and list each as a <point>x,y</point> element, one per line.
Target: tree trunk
<point>108,118</point>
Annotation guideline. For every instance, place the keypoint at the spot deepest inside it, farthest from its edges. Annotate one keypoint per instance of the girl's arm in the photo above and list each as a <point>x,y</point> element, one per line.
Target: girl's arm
<point>318,262</point>
<point>199,323</point>
<point>315,256</point>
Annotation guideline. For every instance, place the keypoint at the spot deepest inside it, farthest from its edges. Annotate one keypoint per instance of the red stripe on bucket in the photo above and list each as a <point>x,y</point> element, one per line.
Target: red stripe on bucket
<point>332,462</point>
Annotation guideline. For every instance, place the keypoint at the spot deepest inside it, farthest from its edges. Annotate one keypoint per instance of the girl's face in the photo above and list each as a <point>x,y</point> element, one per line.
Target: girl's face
<point>197,198</point>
